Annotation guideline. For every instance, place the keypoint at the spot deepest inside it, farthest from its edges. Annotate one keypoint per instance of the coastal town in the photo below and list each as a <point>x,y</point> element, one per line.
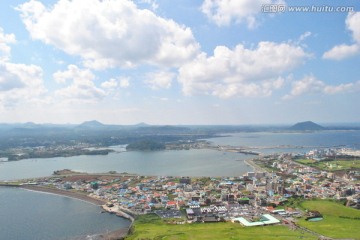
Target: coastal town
<point>256,198</point>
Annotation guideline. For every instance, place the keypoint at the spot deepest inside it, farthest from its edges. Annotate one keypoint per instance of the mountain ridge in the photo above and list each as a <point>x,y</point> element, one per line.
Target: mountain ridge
<point>306,126</point>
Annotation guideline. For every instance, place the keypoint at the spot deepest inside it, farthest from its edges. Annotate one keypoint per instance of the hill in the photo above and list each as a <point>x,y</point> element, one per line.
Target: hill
<point>91,124</point>
<point>306,126</point>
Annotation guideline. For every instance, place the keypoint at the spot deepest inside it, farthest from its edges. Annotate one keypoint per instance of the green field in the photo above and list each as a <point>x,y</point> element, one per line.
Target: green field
<point>305,161</point>
<point>332,165</point>
<point>152,227</point>
<point>339,221</point>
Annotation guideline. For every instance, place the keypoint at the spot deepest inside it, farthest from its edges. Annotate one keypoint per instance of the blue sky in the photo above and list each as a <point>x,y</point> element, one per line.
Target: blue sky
<point>180,61</point>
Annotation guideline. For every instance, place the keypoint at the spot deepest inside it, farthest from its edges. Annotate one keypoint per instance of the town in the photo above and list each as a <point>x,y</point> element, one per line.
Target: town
<point>260,197</point>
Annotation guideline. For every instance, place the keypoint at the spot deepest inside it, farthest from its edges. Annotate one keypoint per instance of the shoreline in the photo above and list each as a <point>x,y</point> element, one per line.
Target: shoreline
<point>255,167</point>
<point>120,233</point>
<point>66,193</point>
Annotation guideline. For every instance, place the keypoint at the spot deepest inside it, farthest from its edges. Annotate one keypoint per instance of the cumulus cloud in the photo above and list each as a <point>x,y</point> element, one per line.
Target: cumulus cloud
<point>109,33</point>
<point>343,51</point>
<point>310,84</point>
<point>20,82</point>
<point>5,40</point>
<point>157,80</point>
<point>224,12</point>
<point>241,71</point>
<point>111,84</point>
<point>81,87</point>
<point>114,84</point>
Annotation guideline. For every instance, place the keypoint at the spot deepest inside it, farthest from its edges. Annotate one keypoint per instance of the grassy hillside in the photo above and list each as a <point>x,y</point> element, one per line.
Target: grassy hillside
<point>152,227</point>
<point>332,164</point>
<point>339,221</point>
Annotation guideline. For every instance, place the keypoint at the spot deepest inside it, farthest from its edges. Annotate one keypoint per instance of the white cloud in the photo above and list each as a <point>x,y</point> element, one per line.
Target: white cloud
<point>224,12</point>
<point>20,83</point>
<point>111,84</point>
<point>343,88</point>
<point>241,71</point>
<point>109,33</point>
<point>5,49</point>
<point>306,85</point>
<point>124,82</point>
<point>114,84</point>
<point>157,80</point>
<point>302,38</point>
<point>153,4</point>
<point>343,51</point>
<point>81,88</point>
<point>353,24</point>
<point>310,84</point>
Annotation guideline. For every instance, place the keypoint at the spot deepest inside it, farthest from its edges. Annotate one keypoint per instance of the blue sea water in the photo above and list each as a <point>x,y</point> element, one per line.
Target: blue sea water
<point>28,215</point>
<point>197,162</point>
<point>270,142</point>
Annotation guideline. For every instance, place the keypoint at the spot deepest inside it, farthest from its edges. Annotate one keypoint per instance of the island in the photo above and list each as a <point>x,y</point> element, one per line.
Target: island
<point>146,145</point>
<point>307,126</point>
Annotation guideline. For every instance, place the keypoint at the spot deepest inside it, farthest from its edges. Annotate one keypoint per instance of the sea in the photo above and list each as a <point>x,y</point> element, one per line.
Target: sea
<point>29,215</point>
<point>32,215</point>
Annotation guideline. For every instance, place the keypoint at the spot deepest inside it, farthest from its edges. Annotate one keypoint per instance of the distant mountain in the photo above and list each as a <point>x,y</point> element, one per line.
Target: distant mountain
<point>307,126</point>
<point>142,124</point>
<point>162,129</point>
<point>91,124</point>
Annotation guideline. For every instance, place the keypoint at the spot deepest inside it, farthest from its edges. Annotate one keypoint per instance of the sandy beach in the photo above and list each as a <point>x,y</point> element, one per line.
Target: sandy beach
<point>71,194</point>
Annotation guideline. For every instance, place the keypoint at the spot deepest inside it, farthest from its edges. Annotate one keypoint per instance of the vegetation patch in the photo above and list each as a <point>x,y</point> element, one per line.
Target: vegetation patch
<point>305,161</point>
<point>332,164</point>
<point>152,227</point>
<point>339,221</point>
<point>146,145</point>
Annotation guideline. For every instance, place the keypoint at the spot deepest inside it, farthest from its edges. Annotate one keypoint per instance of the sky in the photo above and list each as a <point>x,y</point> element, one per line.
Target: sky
<point>180,62</point>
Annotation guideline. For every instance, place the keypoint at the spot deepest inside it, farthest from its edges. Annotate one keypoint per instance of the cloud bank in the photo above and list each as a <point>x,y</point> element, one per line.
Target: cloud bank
<point>109,33</point>
<point>241,71</point>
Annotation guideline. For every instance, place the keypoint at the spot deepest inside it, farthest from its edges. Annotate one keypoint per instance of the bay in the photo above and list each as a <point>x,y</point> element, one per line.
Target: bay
<point>40,216</point>
<point>275,142</point>
<point>195,162</point>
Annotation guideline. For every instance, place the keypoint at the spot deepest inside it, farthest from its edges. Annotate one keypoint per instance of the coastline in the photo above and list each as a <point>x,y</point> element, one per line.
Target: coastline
<point>120,233</point>
<point>256,167</point>
<point>66,193</point>
<point>117,234</point>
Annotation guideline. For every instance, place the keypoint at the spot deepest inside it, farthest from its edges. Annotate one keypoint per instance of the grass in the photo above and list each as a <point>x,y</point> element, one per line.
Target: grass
<point>10,183</point>
<point>305,161</point>
<point>339,221</point>
<point>332,164</point>
<point>152,227</point>
<point>339,165</point>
